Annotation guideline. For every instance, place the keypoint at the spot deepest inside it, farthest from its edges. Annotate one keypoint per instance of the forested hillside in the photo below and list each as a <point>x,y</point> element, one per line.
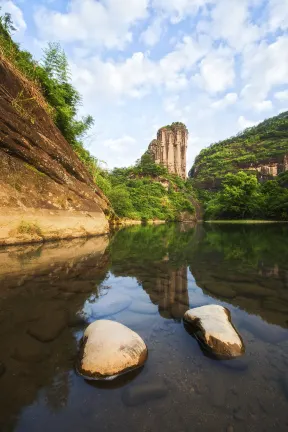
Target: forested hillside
<point>262,149</point>
<point>246,177</point>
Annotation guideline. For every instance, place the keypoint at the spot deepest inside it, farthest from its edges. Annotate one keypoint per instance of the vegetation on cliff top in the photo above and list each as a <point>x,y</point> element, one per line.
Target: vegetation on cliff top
<point>146,191</point>
<point>265,142</point>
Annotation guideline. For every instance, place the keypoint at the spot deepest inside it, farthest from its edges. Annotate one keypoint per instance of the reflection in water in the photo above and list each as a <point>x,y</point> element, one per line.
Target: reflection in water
<point>45,297</point>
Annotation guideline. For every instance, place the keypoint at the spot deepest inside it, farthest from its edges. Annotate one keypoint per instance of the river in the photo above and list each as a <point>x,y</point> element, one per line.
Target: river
<point>146,277</point>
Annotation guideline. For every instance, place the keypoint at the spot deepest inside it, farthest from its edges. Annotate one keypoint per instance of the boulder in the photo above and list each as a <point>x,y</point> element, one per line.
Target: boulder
<point>49,327</point>
<point>110,349</point>
<point>211,325</point>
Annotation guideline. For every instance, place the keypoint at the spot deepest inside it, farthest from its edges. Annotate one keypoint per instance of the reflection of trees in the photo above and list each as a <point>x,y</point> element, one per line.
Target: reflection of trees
<point>156,256</point>
<point>59,277</point>
<point>246,266</point>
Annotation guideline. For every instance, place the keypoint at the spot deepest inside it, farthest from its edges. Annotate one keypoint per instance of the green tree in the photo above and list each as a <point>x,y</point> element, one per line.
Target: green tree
<point>240,198</point>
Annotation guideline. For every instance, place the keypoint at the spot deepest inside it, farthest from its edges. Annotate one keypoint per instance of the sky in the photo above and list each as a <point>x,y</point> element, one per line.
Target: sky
<point>219,66</point>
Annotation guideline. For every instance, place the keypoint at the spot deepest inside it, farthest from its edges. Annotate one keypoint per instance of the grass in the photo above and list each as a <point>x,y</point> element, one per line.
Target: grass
<point>30,228</point>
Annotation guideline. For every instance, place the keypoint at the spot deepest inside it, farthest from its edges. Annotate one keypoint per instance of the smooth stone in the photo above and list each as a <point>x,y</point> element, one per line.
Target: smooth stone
<point>110,305</point>
<point>110,349</point>
<point>48,327</point>
<point>2,369</point>
<point>212,327</point>
<point>30,351</point>
<point>143,308</point>
<point>140,393</point>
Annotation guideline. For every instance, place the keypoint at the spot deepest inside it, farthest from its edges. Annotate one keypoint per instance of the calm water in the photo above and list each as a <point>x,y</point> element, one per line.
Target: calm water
<point>146,278</point>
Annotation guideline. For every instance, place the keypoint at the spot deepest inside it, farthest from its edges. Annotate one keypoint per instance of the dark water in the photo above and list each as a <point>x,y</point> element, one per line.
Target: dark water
<point>155,274</point>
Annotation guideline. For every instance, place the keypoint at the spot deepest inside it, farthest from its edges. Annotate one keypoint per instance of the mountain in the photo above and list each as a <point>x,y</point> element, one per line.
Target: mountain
<point>262,149</point>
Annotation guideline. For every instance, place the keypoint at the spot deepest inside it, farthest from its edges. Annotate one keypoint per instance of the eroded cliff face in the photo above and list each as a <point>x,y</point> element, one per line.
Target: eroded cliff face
<point>45,190</point>
<point>170,147</point>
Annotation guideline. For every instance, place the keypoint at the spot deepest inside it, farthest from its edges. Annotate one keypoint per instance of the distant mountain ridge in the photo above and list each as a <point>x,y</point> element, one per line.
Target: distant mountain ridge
<point>262,149</point>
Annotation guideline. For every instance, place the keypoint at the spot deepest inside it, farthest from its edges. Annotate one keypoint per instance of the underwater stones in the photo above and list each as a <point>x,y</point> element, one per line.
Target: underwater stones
<point>110,349</point>
<point>49,327</point>
<point>212,327</point>
<point>110,305</point>
<point>137,394</point>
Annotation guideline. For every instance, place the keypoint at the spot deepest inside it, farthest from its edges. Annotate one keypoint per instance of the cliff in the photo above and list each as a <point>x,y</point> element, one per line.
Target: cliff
<point>45,190</point>
<point>170,147</point>
<point>262,149</point>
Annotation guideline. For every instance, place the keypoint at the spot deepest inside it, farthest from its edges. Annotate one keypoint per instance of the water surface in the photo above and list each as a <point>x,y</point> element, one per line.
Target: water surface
<point>146,278</point>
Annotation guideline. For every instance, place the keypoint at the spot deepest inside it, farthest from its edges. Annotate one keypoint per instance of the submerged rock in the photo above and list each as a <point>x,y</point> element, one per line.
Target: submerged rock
<point>110,349</point>
<point>212,327</point>
<point>30,351</point>
<point>143,308</point>
<point>137,394</point>
<point>48,327</point>
<point>110,305</point>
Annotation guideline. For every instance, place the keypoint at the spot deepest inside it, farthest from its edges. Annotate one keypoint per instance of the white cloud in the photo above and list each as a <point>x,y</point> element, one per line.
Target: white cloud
<point>7,6</point>
<point>244,123</point>
<point>229,99</point>
<point>231,22</point>
<point>91,22</point>
<point>138,75</point>
<point>179,9</point>
<point>265,66</point>
<point>265,105</point>
<point>278,14</point>
<point>282,95</point>
<point>153,32</point>
<point>119,144</point>
<point>216,71</point>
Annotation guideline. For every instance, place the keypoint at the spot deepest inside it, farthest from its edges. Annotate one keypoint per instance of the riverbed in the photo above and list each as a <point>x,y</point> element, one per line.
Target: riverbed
<point>146,277</point>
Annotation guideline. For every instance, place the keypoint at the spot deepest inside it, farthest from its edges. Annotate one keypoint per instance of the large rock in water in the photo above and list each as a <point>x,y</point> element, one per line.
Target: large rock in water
<point>212,327</point>
<point>110,349</point>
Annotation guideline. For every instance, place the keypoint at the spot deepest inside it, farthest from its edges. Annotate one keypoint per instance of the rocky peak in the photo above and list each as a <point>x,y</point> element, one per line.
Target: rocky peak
<point>170,147</point>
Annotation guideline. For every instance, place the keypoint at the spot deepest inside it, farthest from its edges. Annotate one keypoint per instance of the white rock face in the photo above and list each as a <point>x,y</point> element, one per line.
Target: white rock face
<point>212,326</point>
<point>110,349</point>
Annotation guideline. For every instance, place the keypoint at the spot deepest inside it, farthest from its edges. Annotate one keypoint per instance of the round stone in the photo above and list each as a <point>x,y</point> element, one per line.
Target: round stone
<point>110,349</point>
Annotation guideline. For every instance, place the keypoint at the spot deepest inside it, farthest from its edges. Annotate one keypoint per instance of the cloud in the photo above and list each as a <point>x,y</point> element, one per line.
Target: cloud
<point>119,144</point>
<point>244,123</point>
<point>108,23</point>
<point>19,23</point>
<point>229,99</point>
<point>153,32</point>
<point>278,15</point>
<point>217,72</point>
<point>282,95</point>
<point>265,105</point>
<point>179,9</point>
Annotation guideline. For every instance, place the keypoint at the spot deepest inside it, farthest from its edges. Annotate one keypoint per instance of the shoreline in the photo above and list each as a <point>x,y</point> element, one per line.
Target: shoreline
<point>244,221</point>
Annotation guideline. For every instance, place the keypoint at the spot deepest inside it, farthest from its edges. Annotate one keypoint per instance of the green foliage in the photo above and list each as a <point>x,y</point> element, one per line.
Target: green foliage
<point>258,144</point>
<point>243,197</point>
<point>30,228</point>
<point>148,191</point>
<point>52,77</point>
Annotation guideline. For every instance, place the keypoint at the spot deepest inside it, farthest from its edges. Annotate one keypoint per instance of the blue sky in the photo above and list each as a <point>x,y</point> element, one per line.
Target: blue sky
<point>217,65</point>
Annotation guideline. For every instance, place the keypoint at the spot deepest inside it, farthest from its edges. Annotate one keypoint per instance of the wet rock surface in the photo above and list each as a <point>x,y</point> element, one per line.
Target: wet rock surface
<point>110,349</point>
<point>212,327</point>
